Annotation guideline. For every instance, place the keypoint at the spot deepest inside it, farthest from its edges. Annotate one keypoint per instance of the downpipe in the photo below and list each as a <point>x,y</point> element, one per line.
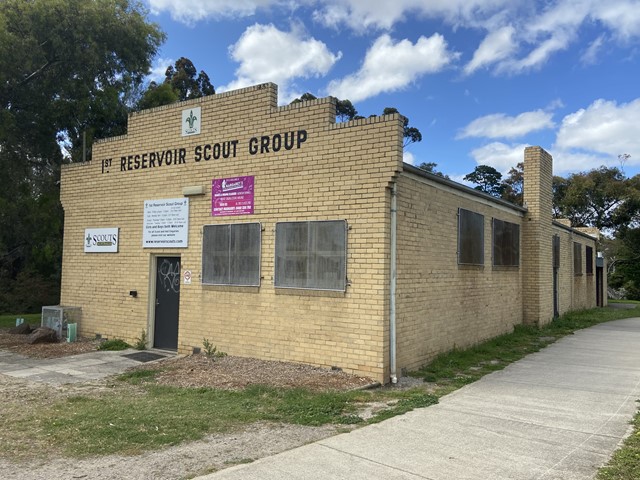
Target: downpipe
<point>392,283</point>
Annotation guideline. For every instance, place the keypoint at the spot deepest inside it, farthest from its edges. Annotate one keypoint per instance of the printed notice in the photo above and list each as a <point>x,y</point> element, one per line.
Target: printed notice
<point>166,223</point>
<point>232,196</point>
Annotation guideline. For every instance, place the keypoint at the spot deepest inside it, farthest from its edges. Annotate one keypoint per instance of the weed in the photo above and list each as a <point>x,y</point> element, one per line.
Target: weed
<point>211,350</point>
<point>141,341</point>
<point>137,377</point>
<point>114,344</point>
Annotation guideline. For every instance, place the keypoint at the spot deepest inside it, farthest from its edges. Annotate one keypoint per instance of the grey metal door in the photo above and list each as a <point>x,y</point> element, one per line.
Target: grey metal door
<point>167,303</point>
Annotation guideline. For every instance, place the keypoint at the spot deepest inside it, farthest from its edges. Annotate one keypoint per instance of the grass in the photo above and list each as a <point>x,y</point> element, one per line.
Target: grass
<point>8,321</point>
<point>625,301</point>
<point>131,420</point>
<point>457,368</point>
<point>131,423</point>
<point>625,463</point>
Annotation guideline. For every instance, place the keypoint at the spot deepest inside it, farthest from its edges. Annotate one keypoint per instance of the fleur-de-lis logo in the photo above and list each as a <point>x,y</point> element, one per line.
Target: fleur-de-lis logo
<point>88,240</point>
<point>191,119</point>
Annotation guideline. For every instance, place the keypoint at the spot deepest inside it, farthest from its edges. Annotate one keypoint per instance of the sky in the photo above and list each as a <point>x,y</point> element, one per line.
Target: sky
<point>481,79</point>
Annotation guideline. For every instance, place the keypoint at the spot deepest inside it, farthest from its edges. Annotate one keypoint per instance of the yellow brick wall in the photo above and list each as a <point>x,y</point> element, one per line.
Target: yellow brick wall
<point>340,173</point>
<point>575,292</point>
<point>442,305</point>
<point>537,237</point>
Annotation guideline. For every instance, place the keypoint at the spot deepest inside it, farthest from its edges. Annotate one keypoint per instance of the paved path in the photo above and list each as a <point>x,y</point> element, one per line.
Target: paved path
<point>556,414</point>
<point>72,369</point>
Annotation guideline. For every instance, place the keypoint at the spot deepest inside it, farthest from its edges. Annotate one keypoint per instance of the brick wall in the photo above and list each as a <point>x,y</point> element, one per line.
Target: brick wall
<point>442,305</point>
<point>340,173</point>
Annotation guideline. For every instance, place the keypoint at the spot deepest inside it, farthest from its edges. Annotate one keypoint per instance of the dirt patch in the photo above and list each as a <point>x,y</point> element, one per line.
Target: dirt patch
<point>183,461</point>
<point>18,344</point>
<point>235,373</point>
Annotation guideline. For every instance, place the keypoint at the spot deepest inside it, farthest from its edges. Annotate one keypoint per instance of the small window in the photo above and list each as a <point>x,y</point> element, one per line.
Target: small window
<point>470,238</point>
<point>231,254</point>
<point>506,243</point>
<point>556,251</point>
<point>577,258</point>
<point>589,257</point>
<point>311,255</point>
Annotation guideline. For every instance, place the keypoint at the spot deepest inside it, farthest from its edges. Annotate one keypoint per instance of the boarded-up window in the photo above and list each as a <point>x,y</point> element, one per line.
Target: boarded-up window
<point>589,260</point>
<point>556,251</point>
<point>470,237</point>
<point>577,258</point>
<point>231,254</point>
<point>506,243</point>
<point>311,255</point>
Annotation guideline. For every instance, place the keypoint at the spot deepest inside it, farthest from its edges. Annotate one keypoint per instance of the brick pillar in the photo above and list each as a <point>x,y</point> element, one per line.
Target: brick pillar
<point>537,268</point>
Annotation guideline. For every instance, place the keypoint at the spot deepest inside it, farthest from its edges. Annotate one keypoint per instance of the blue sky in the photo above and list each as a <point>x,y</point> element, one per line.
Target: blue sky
<point>481,79</point>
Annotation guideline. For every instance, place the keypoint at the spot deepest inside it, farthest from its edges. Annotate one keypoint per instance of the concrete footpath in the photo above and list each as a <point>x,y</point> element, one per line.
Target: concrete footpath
<point>557,414</point>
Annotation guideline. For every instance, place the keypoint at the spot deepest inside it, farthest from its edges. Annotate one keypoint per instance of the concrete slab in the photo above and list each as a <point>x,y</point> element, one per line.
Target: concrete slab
<point>73,369</point>
<point>557,414</point>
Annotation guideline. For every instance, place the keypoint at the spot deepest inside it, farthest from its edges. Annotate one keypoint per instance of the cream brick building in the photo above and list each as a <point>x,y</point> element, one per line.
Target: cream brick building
<point>277,233</point>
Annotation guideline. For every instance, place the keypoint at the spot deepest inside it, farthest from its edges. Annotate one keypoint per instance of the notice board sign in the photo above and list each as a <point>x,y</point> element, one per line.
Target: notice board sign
<point>101,240</point>
<point>232,196</point>
<point>166,223</point>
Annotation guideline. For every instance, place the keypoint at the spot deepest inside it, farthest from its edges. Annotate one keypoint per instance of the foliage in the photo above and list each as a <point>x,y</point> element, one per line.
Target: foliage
<point>67,70</point>
<point>487,180</point>
<point>181,82</point>
<point>626,263</point>
<point>141,341</point>
<point>345,111</point>
<point>430,167</point>
<point>411,134</point>
<point>115,344</point>
<point>603,198</point>
<point>211,350</point>
<point>512,186</point>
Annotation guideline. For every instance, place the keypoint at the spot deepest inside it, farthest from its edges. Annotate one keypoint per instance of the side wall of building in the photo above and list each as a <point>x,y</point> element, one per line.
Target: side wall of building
<point>576,291</point>
<point>442,304</point>
<point>340,172</point>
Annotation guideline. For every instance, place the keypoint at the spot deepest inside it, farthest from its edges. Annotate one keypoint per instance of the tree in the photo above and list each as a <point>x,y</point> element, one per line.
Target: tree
<point>487,180</point>
<point>601,198</point>
<point>345,111</point>
<point>411,134</point>
<point>430,167</point>
<point>180,83</point>
<point>67,68</point>
<point>512,186</point>
<point>626,263</point>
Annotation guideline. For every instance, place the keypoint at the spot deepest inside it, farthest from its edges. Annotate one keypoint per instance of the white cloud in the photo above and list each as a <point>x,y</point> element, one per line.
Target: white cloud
<point>267,54</point>
<point>496,46</point>
<point>565,162</point>
<point>499,125</point>
<point>389,66</point>
<point>590,55</point>
<point>621,16</point>
<point>603,127</point>
<point>408,157</point>
<point>191,11</point>
<point>500,156</point>
<point>159,69</point>
<point>362,15</point>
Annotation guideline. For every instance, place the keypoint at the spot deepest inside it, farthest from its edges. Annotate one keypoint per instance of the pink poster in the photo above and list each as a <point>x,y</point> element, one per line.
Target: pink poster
<point>232,196</point>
